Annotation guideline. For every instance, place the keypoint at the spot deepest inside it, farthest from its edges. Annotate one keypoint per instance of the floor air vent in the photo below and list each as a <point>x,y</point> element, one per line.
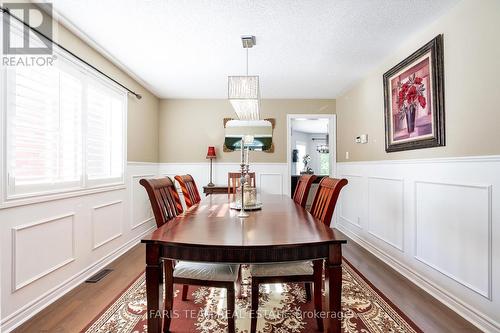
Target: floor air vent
<point>99,275</point>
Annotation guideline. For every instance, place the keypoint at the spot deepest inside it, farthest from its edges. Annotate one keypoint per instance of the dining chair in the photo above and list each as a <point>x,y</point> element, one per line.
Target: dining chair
<point>304,271</point>
<point>233,181</point>
<point>189,190</point>
<point>166,205</point>
<point>326,198</point>
<point>302,190</point>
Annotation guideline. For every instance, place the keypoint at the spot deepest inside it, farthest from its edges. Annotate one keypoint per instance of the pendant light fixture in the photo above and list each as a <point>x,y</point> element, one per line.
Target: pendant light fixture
<point>243,90</point>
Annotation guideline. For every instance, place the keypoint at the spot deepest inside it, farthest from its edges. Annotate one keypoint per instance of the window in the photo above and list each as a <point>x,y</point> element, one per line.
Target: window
<point>65,129</point>
<point>324,164</point>
<point>105,132</point>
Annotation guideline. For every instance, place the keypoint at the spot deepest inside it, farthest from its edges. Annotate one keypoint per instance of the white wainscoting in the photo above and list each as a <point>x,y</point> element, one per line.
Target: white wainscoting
<point>385,210</point>
<point>436,221</point>
<point>270,177</point>
<point>107,220</point>
<point>28,266</point>
<point>140,208</point>
<point>48,248</point>
<point>87,232</point>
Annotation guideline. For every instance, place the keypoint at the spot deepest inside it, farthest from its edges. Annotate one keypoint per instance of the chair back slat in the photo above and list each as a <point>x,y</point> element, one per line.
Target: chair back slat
<point>233,181</point>
<point>302,189</point>
<point>189,190</point>
<point>164,199</point>
<point>326,198</point>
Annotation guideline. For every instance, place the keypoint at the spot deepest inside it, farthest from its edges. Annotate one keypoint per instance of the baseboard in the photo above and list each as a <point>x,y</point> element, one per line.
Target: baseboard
<point>29,310</point>
<point>470,314</point>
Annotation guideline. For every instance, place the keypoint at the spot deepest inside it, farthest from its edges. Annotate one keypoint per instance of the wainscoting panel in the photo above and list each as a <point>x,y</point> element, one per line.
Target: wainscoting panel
<point>351,202</point>
<point>385,210</point>
<point>453,232</point>
<point>50,247</point>
<point>32,259</point>
<point>437,221</point>
<point>141,211</point>
<point>271,183</point>
<point>107,220</point>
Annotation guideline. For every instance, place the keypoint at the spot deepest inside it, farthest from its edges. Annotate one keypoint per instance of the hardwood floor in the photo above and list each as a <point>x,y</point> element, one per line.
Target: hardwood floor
<point>425,311</point>
<point>75,310</point>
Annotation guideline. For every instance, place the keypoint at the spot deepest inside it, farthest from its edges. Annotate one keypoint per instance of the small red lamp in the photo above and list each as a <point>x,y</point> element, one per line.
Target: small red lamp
<point>211,156</point>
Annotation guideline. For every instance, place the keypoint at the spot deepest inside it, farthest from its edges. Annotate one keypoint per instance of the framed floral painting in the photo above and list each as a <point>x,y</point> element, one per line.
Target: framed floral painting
<point>414,100</point>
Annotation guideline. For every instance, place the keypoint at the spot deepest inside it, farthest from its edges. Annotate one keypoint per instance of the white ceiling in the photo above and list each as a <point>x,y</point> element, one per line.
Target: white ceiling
<point>312,126</point>
<point>305,49</point>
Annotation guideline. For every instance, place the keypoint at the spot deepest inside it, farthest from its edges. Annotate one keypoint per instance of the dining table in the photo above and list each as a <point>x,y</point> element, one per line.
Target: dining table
<point>281,231</point>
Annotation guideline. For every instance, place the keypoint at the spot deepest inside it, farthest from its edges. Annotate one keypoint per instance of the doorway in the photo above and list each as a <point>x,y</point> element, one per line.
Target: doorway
<point>310,147</point>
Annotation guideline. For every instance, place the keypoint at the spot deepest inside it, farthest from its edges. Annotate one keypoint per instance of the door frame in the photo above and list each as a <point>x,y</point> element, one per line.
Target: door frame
<point>332,134</point>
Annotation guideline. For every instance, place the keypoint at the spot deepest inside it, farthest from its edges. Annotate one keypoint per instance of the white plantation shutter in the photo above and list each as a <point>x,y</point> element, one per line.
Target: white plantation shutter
<point>44,126</point>
<point>65,129</point>
<point>104,133</point>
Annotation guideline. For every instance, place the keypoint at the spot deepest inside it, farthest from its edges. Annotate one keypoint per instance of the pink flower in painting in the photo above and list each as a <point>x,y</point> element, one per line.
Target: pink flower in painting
<point>421,101</point>
<point>410,95</point>
<point>411,92</point>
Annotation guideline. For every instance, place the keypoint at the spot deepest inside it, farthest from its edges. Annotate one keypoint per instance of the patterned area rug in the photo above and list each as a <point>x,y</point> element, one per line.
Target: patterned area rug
<point>282,309</point>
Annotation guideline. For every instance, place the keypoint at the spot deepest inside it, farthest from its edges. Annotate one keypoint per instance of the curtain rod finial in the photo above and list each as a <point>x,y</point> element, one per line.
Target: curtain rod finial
<point>138,96</point>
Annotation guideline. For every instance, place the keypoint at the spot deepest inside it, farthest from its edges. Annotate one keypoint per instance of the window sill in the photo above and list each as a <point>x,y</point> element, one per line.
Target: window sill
<point>58,196</point>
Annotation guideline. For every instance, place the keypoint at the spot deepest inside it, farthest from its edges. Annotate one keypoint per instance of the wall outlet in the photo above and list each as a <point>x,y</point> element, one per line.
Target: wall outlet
<point>346,155</point>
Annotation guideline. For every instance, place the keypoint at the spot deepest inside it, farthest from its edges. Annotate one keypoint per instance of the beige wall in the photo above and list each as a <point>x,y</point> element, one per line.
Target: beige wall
<point>188,127</point>
<point>142,132</point>
<point>472,89</point>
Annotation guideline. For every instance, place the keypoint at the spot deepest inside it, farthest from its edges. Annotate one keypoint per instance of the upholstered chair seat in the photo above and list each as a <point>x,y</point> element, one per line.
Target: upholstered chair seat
<point>206,271</point>
<point>282,269</point>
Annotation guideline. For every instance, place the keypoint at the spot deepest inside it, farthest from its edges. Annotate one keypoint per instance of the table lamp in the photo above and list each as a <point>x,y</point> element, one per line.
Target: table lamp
<point>211,155</point>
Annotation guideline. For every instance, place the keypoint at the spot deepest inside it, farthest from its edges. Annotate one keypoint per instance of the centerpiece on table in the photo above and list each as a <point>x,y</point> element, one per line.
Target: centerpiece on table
<point>246,194</point>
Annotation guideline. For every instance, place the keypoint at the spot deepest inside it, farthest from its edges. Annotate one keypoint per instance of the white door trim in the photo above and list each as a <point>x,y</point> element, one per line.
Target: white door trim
<point>332,132</point>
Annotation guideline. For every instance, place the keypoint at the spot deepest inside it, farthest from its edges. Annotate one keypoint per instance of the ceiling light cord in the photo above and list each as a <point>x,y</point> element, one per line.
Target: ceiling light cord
<point>247,61</point>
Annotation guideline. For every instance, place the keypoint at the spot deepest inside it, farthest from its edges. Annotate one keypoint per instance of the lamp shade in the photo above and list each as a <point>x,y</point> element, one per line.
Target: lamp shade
<point>211,152</point>
<point>243,93</point>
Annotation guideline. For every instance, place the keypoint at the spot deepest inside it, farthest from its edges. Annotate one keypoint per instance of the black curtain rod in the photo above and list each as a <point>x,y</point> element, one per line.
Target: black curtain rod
<point>40,34</point>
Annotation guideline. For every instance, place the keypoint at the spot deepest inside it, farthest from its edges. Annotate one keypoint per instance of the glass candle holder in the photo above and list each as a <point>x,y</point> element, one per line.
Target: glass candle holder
<point>250,196</point>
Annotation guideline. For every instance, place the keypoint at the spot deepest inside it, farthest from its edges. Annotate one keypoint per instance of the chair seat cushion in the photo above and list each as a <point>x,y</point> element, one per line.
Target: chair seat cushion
<point>205,271</point>
<point>283,269</point>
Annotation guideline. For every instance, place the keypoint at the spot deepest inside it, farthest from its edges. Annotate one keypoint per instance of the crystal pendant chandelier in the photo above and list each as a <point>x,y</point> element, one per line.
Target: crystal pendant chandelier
<point>243,90</point>
<point>322,149</point>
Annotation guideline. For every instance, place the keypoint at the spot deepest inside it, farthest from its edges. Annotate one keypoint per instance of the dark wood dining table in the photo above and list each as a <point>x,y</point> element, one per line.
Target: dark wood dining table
<point>210,231</point>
